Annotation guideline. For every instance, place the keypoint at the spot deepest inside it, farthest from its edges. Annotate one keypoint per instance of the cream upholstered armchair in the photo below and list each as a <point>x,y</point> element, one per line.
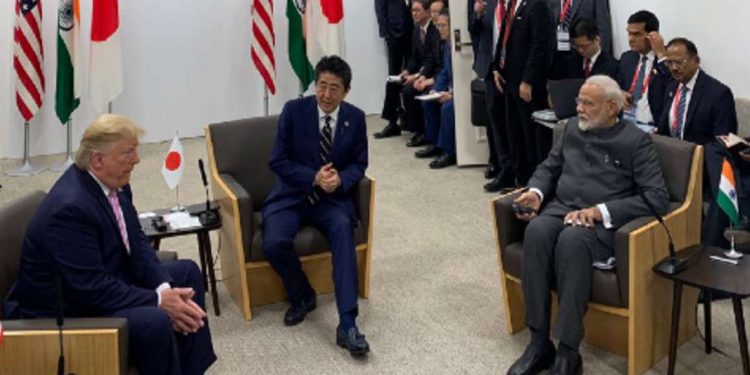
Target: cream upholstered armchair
<point>238,153</point>
<point>629,308</point>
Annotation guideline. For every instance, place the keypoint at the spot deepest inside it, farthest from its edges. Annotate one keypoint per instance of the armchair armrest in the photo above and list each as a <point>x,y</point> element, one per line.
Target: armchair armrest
<point>96,344</point>
<point>363,196</point>
<point>509,228</point>
<point>622,253</point>
<point>245,204</point>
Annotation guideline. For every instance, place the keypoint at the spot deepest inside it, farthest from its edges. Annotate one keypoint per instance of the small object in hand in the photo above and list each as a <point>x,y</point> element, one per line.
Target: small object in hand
<point>520,209</point>
<point>159,224</point>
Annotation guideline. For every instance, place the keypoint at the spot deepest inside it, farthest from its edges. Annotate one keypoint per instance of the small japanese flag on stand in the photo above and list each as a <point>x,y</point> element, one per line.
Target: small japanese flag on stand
<point>1,334</point>
<point>174,164</point>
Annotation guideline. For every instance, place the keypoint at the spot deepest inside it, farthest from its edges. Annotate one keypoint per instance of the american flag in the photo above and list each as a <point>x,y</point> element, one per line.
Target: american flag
<point>28,57</point>
<point>263,40</point>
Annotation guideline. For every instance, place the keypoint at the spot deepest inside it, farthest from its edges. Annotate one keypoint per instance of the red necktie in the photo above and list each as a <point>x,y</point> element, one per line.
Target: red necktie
<point>500,15</point>
<point>508,26</point>
<point>586,68</point>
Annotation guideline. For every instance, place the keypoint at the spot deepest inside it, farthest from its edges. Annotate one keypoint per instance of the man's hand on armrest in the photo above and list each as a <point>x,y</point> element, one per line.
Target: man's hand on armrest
<point>186,315</point>
<point>531,200</point>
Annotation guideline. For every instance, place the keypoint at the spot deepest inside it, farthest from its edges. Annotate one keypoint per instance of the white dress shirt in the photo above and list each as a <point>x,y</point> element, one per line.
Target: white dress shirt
<point>322,121</point>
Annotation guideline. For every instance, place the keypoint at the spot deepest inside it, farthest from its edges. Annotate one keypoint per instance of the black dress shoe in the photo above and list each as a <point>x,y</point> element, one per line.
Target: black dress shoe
<point>416,140</point>
<point>490,172</point>
<point>296,314</point>
<point>427,152</point>
<point>502,181</point>
<point>533,360</point>
<point>352,340</point>
<point>443,161</point>
<point>568,364</point>
<point>390,130</point>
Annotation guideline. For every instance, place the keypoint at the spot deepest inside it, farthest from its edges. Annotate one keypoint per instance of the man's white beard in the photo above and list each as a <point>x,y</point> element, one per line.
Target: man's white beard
<point>588,125</point>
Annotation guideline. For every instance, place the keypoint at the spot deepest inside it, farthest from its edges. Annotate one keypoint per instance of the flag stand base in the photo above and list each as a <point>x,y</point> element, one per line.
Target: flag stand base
<point>26,168</point>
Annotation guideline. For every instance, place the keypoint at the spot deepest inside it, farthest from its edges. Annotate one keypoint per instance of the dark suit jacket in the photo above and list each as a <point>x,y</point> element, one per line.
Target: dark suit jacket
<point>609,166</point>
<point>530,46</point>
<point>711,111</point>
<point>595,10</point>
<point>481,29</point>
<point>572,67</point>
<point>660,78</point>
<point>295,157</point>
<point>74,234</point>
<point>425,57</point>
<point>394,18</point>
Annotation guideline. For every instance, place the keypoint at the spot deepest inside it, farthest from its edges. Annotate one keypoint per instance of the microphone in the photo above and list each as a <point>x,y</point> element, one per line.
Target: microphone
<point>60,318</point>
<point>672,265</point>
<point>209,216</point>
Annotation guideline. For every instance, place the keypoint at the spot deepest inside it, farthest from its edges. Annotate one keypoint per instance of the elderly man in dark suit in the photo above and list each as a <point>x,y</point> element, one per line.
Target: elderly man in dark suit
<point>698,108</point>
<point>588,186</point>
<point>522,59</point>
<point>395,26</point>
<point>85,239</point>
<point>319,156</point>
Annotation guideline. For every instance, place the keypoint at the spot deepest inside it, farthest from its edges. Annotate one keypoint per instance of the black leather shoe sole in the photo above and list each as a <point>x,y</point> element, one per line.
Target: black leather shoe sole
<point>294,318</point>
<point>442,162</point>
<point>416,141</point>
<point>340,341</point>
<point>430,151</point>
<point>391,130</point>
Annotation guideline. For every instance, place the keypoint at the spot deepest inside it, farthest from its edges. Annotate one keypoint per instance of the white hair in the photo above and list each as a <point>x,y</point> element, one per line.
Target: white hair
<point>611,89</point>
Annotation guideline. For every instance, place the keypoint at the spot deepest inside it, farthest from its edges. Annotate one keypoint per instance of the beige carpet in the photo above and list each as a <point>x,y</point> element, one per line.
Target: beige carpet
<point>435,304</point>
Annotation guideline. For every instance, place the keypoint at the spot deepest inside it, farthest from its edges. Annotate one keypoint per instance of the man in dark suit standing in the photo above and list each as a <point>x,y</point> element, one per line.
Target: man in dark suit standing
<point>319,156</point>
<point>590,59</point>
<point>698,108</point>
<point>522,58</point>
<point>643,74</point>
<point>485,23</point>
<point>566,12</point>
<point>85,241</point>
<point>395,26</point>
<point>588,187</point>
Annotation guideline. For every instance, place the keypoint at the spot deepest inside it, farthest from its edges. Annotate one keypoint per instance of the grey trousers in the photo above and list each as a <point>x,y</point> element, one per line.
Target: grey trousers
<point>561,257</point>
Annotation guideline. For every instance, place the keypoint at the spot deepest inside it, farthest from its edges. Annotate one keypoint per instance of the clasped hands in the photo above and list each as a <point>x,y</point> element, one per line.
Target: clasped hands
<point>328,178</point>
<point>185,314</point>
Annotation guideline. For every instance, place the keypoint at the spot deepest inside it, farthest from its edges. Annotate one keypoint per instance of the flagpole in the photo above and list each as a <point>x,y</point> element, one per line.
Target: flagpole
<point>265,100</point>
<point>109,107</point>
<point>69,159</point>
<point>26,168</point>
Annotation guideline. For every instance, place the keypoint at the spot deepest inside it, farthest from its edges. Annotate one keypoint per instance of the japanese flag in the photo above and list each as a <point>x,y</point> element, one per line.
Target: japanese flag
<point>1,334</point>
<point>174,164</point>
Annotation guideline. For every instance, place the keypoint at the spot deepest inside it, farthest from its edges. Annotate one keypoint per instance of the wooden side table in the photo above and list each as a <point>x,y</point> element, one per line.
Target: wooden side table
<point>204,245</point>
<point>711,276</point>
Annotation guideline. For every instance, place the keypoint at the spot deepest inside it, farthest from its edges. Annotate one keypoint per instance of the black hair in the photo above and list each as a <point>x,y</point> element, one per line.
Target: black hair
<point>445,12</point>
<point>425,3</point>
<point>336,66</point>
<point>584,27</point>
<point>647,18</point>
<point>692,50</point>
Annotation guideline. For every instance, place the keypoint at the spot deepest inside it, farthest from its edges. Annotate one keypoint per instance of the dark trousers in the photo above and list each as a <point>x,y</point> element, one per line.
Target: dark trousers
<point>155,348</point>
<point>279,230</point>
<point>413,108</point>
<point>561,256</point>
<point>497,134</point>
<point>440,125</point>
<point>399,50</point>
<point>529,142</point>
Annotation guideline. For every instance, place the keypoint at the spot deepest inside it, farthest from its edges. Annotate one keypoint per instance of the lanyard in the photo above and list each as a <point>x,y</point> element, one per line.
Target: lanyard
<point>565,9</point>
<point>635,79</point>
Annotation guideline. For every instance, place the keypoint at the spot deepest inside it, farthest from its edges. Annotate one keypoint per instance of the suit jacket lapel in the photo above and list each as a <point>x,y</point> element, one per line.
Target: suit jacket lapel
<point>695,99</point>
<point>341,124</point>
<point>103,201</point>
<point>312,131</point>
<point>574,9</point>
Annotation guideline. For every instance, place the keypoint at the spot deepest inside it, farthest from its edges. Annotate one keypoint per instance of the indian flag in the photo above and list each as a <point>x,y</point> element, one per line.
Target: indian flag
<point>727,198</point>
<point>68,92</point>
<point>295,10</point>
<point>105,59</point>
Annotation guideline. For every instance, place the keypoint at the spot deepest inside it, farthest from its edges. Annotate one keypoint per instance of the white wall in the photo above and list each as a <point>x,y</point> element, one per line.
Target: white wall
<point>186,64</point>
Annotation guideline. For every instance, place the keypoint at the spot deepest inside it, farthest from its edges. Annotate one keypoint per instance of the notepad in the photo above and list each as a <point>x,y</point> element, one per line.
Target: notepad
<point>428,97</point>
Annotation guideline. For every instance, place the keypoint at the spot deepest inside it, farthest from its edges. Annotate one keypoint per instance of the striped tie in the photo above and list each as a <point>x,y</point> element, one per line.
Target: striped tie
<point>114,201</point>
<point>680,120</point>
<point>326,141</point>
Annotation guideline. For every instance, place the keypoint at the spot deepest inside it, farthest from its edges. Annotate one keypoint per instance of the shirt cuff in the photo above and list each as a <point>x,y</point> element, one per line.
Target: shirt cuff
<point>606,218</point>
<point>539,193</point>
<point>162,287</point>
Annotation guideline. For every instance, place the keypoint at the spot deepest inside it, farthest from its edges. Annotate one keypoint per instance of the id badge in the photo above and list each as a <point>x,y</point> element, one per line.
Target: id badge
<point>563,39</point>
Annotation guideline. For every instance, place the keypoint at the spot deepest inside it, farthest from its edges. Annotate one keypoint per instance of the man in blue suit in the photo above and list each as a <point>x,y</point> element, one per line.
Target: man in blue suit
<point>85,241</point>
<point>698,108</point>
<point>319,156</point>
